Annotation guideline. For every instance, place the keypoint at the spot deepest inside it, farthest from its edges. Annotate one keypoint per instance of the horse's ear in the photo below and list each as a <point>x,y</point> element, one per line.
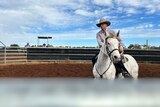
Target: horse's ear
<point>118,33</point>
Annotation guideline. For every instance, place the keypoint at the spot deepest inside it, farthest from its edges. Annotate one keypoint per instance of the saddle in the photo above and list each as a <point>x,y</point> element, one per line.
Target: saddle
<point>124,59</point>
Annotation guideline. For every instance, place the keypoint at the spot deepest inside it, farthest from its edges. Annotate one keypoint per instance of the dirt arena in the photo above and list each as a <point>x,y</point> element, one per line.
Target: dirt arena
<point>65,69</point>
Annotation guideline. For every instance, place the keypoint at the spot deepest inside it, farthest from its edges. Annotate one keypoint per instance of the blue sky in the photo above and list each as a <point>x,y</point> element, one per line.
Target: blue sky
<point>73,22</point>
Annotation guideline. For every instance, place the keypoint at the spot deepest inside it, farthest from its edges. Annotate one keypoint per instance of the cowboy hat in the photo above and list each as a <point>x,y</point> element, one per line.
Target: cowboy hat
<point>102,21</point>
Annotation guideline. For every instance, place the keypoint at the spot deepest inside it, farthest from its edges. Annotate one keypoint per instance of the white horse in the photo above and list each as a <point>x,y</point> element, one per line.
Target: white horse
<point>108,55</point>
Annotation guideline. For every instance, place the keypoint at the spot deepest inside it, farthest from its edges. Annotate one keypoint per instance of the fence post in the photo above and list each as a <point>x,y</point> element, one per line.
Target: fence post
<point>4,51</point>
<point>5,55</point>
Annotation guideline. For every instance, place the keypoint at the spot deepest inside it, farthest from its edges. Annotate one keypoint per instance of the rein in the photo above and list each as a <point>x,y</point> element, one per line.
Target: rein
<point>101,75</point>
<point>112,52</point>
<point>109,53</point>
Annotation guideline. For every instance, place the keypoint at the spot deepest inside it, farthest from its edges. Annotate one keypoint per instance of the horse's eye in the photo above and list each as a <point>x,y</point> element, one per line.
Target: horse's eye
<point>108,43</point>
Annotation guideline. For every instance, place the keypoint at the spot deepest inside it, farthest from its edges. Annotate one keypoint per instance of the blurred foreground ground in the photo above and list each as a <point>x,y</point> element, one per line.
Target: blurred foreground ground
<point>77,89</point>
<point>79,92</point>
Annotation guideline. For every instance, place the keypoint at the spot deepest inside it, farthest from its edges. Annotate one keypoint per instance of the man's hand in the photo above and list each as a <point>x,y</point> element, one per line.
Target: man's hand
<point>121,49</point>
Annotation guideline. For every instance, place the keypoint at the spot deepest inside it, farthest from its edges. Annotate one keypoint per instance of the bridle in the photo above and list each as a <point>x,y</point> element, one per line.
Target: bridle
<point>109,54</point>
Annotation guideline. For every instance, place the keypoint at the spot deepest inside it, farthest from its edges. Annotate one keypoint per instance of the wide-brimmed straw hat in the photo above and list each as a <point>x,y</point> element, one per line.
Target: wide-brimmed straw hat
<point>102,21</point>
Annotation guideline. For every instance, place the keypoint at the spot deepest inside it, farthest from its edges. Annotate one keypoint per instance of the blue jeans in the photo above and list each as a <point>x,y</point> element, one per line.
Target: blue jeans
<point>94,59</point>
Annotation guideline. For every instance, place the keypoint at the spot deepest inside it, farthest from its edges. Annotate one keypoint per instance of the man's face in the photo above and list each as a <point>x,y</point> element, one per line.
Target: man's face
<point>103,26</point>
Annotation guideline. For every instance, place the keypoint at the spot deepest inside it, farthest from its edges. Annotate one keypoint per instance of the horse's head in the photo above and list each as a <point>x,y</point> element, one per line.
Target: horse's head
<point>112,47</point>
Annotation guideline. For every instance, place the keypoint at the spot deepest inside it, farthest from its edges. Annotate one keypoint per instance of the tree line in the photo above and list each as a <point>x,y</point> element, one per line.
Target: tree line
<point>137,46</point>
<point>131,46</point>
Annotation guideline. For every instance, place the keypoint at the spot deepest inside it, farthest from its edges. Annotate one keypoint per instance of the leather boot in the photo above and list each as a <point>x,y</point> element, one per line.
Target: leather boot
<point>121,69</point>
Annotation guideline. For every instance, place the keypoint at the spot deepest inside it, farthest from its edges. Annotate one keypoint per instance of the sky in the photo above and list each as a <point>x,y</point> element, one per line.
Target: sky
<point>73,22</point>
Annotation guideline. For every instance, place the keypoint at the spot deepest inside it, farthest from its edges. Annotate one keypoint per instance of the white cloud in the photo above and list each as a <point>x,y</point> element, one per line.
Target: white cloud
<point>129,7</point>
<point>131,10</point>
<point>83,12</point>
<point>23,38</point>
<point>103,2</point>
<point>79,34</point>
<point>12,20</point>
<point>149,26</point>
<point>151,6</point>
<point>18,38</point>
<point>133,32</point>
<point>134,3</point>
<point>35,14</point>
<point>110,17</point>
<point>102,12</point>
<point>22,20</point>
<point>52,16</point>
<point>143,26</point>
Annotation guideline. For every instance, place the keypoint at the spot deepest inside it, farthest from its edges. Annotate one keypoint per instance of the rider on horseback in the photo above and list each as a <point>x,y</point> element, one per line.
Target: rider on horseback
<point>104,33</point>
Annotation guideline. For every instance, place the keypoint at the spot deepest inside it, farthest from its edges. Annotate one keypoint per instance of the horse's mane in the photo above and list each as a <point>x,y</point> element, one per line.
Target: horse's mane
<point>113,36</point>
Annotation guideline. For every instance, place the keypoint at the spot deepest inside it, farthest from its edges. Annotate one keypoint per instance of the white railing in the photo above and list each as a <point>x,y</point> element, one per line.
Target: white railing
<point>8,54</point>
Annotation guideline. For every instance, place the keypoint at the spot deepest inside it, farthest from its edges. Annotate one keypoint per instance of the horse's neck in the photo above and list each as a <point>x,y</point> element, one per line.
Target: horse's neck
<point>103,60</point>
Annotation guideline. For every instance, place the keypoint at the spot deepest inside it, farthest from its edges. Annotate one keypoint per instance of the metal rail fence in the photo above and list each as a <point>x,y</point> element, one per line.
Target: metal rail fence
<point>52,54</point>
<point>60,54</point>
<point>9,54</point>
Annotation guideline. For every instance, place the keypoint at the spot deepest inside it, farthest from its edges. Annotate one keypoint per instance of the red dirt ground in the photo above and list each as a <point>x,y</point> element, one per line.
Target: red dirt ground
<point>65,69</point>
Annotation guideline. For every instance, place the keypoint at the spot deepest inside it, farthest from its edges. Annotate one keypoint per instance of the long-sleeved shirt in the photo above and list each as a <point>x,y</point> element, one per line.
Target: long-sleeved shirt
<point>101,35</point>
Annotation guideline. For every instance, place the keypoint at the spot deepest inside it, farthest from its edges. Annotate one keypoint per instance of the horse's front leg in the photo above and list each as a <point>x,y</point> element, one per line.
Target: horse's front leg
<point>111,73</point>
